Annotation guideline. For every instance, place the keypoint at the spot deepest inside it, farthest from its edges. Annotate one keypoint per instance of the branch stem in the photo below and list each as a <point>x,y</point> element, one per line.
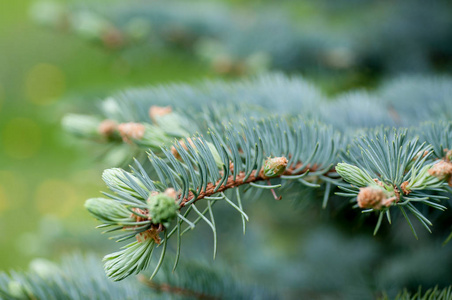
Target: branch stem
<point>174,290</point>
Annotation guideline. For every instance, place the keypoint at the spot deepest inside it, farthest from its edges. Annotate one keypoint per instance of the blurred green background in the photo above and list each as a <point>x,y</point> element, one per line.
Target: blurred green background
<point>46,175</point>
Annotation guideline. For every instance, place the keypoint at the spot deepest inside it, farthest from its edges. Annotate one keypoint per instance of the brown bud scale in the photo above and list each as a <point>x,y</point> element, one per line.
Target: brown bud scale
<point>131,131</point>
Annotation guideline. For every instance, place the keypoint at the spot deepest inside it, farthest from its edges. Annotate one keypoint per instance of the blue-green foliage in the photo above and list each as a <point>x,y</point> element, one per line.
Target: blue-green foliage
<point>82,277</point>
<point>306,145</point>
<point>235,41</point>
<point>239,125</point>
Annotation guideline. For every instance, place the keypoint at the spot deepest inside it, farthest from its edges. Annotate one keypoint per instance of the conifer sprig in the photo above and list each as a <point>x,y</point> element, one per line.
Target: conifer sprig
<point>389,168</point>
<point>439,135</point>
<point>82,277</point>
<point>432,293</point>
<point>386,167</point>
<point>272,151</point>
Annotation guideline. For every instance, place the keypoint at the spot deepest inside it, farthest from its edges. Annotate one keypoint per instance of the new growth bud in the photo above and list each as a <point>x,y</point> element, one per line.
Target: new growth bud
<point>374,197</point>
<point>275,166</point>
<point>354,175</point>
<point>131,131</point>
<point>107,128</point>
<point>441,170</point>
<point>108,211</point>
<point>115,178</point>
<point>44,268</point>
<point>148,234</point>
<point>448,155</point>
<point>81,125</point>
<point>159,111</point>
<point>163,207</point>
<point>172,122</point>
<point>18,290</point>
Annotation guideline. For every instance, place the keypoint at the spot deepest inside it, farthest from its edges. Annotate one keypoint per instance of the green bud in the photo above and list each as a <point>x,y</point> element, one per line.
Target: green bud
<point>82,126</point>
<point>163,207</point>
<point>420,179</point>
<point>155,136</point>
<point>173,123</point>
<point>354,175</point>
<point>111,108</point>
<point>275,166</point>
<point>108,211</point>
<point>16,289</point>
<point>115,178</point>
<point>216,155</point>
<point>44,268</point>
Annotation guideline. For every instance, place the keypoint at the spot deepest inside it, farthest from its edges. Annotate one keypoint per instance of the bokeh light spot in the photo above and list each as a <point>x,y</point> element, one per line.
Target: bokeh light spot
<point>56,197</point>
<point>21,138</point>
<point>45,83</point>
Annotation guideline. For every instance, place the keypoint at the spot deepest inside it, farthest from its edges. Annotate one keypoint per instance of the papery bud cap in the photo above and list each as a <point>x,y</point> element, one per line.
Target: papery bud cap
<point>371,197</point>
<point>158,111</point>
<point>374,197</point>
<point>131,131</point>
<point>275,166</point>
<point>107,127</point>
<point>441,170</point>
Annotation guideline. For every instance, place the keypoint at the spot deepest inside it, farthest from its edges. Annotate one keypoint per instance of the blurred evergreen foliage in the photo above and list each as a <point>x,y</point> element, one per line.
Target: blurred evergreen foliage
<point>296,248</point>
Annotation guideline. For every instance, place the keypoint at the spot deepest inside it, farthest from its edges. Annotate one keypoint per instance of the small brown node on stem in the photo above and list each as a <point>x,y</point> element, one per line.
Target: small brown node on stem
<point>141,212</point>
<point>397,193</point>
<point>379,182</point>
<point>231,167</point>
<point>152,233</point>
<point>107,127</point>
<point>131,130</point>
<point>113,38</point>
<point>448,156</point>
<point>158,111</point>
<point>404,188</point>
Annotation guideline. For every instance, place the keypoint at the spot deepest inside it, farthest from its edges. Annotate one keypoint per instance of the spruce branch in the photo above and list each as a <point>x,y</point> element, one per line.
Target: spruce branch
<point>387,167</point>
<point>220,35</point>
<point>415,99</point>
<point>188,109</point>
<point>439,135</point>
<point>268,150</point>
<point>384,166</point>
<point>173,290</point>
<point>159,127</point>
<point>391,168</point>
<point>82,277</point>
<point>432,293</point>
